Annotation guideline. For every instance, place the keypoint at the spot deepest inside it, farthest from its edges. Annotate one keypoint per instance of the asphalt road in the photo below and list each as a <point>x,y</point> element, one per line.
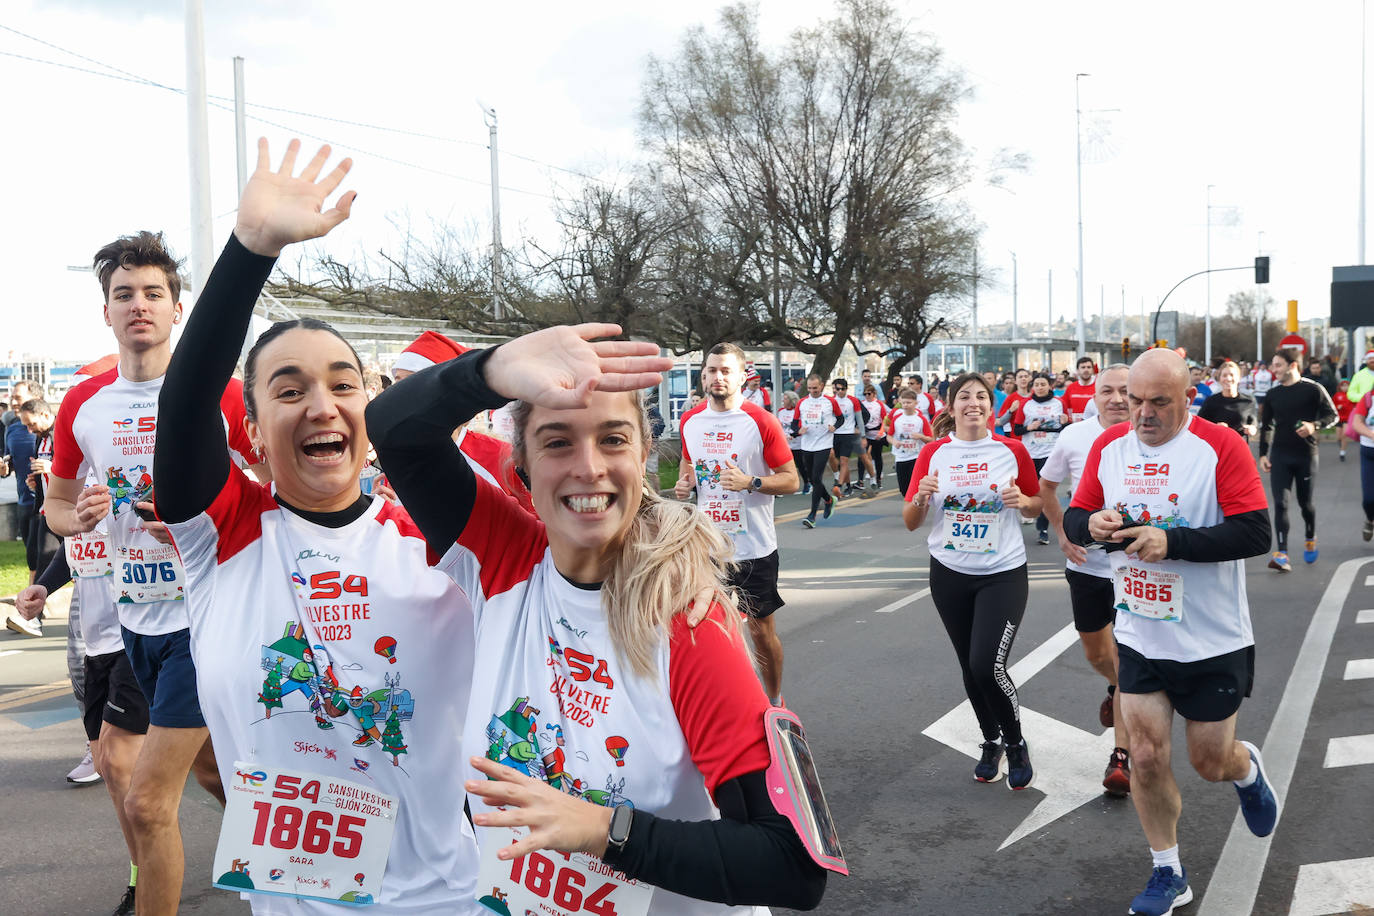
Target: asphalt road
<point>871,673</point>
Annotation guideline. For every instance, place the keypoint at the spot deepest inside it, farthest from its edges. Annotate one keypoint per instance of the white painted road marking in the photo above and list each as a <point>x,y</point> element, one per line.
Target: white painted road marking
<point>1351,751</point>
<point>902,602</point>
<point>1365,616</point>
<point>10,652</point>
<point>1235,881</point>
<point>1334,887</point>
<point>1068,768</point>
<point>1359,668</point>
<point>1368,580</point>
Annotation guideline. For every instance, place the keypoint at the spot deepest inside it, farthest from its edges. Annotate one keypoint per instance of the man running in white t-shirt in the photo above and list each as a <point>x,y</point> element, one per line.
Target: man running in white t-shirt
<point>735,455</point>
<point>1089,572</point>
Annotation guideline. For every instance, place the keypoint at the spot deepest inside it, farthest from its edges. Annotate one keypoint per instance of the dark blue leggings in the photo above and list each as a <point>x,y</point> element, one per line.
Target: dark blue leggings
<point>1367,480</point>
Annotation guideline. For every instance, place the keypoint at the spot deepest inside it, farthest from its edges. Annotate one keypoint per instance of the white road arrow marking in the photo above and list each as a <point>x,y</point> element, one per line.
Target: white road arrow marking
<point>1068,768</point>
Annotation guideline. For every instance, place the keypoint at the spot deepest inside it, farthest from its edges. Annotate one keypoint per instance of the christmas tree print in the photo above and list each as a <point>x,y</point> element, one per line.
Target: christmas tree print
<point>391,739</point>
<point>271,689</point>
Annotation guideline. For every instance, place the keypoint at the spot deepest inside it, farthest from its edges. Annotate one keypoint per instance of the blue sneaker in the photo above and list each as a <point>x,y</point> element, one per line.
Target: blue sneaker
<point>1165,891</point>
<point>829,507</point>
<point>1309,551</point>
<point>1257,801</point>
<point>809,522</point>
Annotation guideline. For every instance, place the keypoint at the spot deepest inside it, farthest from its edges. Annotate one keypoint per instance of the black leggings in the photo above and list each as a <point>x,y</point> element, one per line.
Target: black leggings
<point>904,474</point>
<point>803,469</point>
<point>875,451</point>
<point>816,463</point>
<point>1042,522</point>
<point>981,615</point>
<point>1296,471</point>
<point>1367,480</point>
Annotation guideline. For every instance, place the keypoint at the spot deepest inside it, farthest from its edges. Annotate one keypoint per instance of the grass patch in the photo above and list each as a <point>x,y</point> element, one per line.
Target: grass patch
<point>14,567</point>
<point>667,476</point>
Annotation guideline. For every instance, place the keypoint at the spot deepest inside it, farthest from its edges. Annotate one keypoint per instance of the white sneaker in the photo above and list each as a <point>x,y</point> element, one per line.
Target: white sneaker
<point>23,627</point>
<point>84,772</point>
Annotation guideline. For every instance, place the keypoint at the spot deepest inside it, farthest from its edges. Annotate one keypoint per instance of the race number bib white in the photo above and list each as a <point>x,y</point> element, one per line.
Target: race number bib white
<point>1153,593</point>
<point>813,419</point>
<point>726,514</point>
<point>89,555</point>
<point>972,532</point>
<point>1039,435</point>
<point>555,883</point>
<point>303,835</point>
<point>148,574</point>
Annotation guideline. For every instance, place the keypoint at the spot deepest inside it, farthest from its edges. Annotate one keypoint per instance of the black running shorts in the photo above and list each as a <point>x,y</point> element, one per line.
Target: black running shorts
<point>1093,599</point>
<point>112,695</point>
<point>1209,690</point>
<point>844,445</point>
<point>757,583</point>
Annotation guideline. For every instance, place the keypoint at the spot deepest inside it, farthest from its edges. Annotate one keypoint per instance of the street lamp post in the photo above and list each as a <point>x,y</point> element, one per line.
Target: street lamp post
<point>1078,131</point>
<point>1207,343</point>
<point>497,310</point>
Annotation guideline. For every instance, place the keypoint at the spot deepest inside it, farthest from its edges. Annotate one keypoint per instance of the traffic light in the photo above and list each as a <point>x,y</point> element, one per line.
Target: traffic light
<point>1262,269</point>
<point>1125,348</point>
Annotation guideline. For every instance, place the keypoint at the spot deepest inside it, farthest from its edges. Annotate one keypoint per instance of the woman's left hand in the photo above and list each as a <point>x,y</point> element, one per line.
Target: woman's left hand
<point>555,820</point>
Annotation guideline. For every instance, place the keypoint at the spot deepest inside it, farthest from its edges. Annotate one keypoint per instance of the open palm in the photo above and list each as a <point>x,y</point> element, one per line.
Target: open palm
<point>558,367</point>
<point>279,208</point>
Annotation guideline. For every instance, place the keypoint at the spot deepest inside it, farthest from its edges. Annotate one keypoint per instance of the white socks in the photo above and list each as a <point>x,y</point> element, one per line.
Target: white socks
<point>1250,777</point>
<point>1167,857</point>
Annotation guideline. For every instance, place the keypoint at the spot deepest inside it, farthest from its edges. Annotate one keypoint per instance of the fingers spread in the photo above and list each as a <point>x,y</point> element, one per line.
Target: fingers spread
<point>593,329</point>
<point>316,163</point>
<point>288,161</point>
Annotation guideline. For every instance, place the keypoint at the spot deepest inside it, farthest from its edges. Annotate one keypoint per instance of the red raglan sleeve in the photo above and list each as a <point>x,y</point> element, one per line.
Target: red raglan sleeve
<point>717,697</point>
<point>67,456</point>
<point>776,451</point>
<point>1238,482</point>
<point>1087,493</point>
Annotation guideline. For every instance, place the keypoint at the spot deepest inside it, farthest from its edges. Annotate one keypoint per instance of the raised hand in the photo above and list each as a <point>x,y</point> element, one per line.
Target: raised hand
<point>1011,494</point>
<point>928,487</point>
<point>278,208</point>
<point>559,367</point>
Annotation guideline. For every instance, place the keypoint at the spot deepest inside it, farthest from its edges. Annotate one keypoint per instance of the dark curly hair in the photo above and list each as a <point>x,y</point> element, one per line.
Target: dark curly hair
<point>146,249</point>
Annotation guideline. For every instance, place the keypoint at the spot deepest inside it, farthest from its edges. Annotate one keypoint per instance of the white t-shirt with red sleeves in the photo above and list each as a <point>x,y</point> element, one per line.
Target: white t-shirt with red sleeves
<point>751,439</point>
<point>1039,442</point>
<point>758,396</point>
<point>108,425</point>
<point>1066,463</point>
<point>820,417</point>
<point>902,428</point>
<point>930,406</point>
<point>971,531</point>
<point>1194,480</point>
<point>849,415</point>
<point>552,698</point>
<point>877,412</point>
<point>289,617</point>
<point>785,415</point>
<point>1077,397</point>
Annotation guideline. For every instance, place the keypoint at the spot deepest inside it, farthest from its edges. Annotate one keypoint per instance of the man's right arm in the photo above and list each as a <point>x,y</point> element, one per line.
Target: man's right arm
<point>60,508</point>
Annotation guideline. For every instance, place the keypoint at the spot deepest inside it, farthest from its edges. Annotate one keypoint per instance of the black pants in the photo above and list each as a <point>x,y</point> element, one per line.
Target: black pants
<point>875,451</point>
<point>904,469</point>
<point>816,463</point>
<point>803,469</point>
<point>1367,480</point>
<point>981,615</point>
<point>1042,523</point>
<point>1297,471</point>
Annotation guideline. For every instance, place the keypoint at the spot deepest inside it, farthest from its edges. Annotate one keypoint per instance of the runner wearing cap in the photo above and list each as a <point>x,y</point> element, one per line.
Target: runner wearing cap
<point>754,392</point>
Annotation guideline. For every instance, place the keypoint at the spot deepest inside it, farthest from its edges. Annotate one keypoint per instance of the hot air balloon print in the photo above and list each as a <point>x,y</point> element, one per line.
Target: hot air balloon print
<point>386,648</point>
<point>616,746</point>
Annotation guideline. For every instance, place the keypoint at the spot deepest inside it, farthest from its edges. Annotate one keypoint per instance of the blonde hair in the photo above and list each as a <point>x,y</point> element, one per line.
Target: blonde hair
<point>670,552</point>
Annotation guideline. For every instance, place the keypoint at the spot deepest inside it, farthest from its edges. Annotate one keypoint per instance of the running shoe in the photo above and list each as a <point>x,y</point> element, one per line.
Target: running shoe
<point>126,906</point>
<point>24,627</point>
<point>1309,551</point>
<point>1043,538</point>
<point>1342,454</point>
<point>849,489</point>
<point>1027,521</point>
<point>1367,531</point>
<point>1257,800</point>
<point>1104,712</point>
<point>1280,562</point>
<point>837,491</point>
<point>806,490</point>
<point>828,508</point>
<point>875,485</point>
<point>809,522</point>
<point>989,768</point>
<point>1164,893</point>
<point>1117,779</point>
<point>84,773</point>
<point>1020,774</point>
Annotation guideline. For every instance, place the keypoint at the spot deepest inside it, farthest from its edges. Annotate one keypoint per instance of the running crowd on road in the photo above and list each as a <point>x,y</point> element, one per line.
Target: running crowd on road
<point>464,560</point>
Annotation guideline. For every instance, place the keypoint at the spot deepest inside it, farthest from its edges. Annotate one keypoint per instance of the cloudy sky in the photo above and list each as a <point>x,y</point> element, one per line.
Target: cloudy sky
<point>1258,99</point>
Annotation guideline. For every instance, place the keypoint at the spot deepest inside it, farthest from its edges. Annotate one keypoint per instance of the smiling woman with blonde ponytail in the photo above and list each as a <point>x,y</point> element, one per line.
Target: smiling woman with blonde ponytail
<point>977,483</point>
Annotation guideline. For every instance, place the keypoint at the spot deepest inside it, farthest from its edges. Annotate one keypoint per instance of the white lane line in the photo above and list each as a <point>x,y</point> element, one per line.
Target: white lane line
<point>1359,668</point>
<point>1334,887</point>
<point>11,652</point>
<point>1352,751</point>
<point>903,602</point>
<point>1368,580</point>
<point>1235,881</point>
<point>1365,616</point>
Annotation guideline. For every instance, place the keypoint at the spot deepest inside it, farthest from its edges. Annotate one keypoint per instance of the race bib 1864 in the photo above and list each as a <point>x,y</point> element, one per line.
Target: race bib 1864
<point>555,883</point>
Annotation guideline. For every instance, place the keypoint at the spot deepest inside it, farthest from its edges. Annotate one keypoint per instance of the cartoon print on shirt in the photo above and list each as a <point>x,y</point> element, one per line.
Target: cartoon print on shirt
<point>710,473</point>
<point>126,494</point>
<point>515,740</point>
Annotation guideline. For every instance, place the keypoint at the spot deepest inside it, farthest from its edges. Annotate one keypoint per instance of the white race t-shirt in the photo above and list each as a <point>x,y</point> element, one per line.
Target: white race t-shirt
<point>107,427</point>
<point>1040,442</point>
<point>849,415</point>
<point>288,617</point>
<point>1194,480</point>
<point>1261,380</point>
<point>970,474</point>
<point>785,415</point>
<point>877,411</point>
<point>1066,463</point>
<point>902,428</point>
<point>751,439</point>
<point>820,416</point>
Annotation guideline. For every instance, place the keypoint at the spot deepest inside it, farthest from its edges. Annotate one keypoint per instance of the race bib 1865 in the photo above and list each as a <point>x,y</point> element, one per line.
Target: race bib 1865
<point>555,883</point>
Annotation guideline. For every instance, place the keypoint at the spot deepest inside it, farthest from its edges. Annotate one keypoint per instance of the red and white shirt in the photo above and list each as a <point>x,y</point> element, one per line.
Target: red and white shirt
<point>1066,463</point>
<point>820,417</point>
<point>902,429</point>
<point>107,426</point>
<point>490,459</point>
<point>930,406</point>
<point>759,397</point>
<point>552,697</point>
<point>1006,417</point>
<point>289,617</point>
<point>752,440</point>
<point>877,412</point>
<point>849,415</point>
<point>1194,480</point>
<point>1040,441</point>
<point>971,473</point>
<point>785,416</point>
<point>1077,397</point>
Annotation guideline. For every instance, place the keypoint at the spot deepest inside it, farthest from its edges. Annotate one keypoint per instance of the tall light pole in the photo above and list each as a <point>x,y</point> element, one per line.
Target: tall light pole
<point>1207,344</point>
<point>198,147</point>
<point>1259,310</point>
<point>1078,131</point>
<point>498,312</point>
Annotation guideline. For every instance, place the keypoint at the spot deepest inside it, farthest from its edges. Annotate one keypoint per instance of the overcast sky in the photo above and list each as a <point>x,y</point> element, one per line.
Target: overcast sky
<point>1259,99</point>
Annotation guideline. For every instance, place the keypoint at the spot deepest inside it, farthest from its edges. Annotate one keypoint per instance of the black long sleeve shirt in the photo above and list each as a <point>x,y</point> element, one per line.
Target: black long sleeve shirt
<point>1285,406</point>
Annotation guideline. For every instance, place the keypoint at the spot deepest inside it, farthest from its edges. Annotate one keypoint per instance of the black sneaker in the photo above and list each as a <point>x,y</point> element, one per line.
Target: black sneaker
<point>989,768</point>
<point>1043,539</point>
<point>1020,774</point>
<point>1367,531</point>
<point>849,489</point>
<point>809,522</point>
<point>829,508</point>
<point>126,906</point>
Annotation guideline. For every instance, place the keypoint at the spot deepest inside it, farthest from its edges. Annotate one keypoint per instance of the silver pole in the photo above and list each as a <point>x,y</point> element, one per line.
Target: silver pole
<point>1102,312</point>
<point>1015,332</point>
<point>1207,346</point>
<point>240,130</point>
<point>198,148</point>
<point>1078,128</point>
<point>1259,313</point>
<point>498,311</point>
<point>1049,322</point>
<point>1364,11</point>
<point>974,359</point>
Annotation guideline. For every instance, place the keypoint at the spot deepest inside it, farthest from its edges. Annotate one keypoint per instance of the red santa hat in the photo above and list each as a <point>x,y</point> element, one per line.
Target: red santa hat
<point>429,349</point>
<point>99,367</point>
<point>1367,354</point>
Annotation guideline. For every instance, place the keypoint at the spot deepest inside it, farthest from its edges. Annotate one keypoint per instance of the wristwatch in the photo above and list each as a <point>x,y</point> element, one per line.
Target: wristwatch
<point>756,484</point>
<point>619,833</point>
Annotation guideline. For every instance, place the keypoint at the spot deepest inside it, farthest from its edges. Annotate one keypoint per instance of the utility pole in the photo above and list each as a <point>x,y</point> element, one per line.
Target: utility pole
<point>1207,334</point>
<point>198,148</point>
<point>240,130</point>
<point>498,311</point>
<point>1078,128</point>
<point>974,359</point>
